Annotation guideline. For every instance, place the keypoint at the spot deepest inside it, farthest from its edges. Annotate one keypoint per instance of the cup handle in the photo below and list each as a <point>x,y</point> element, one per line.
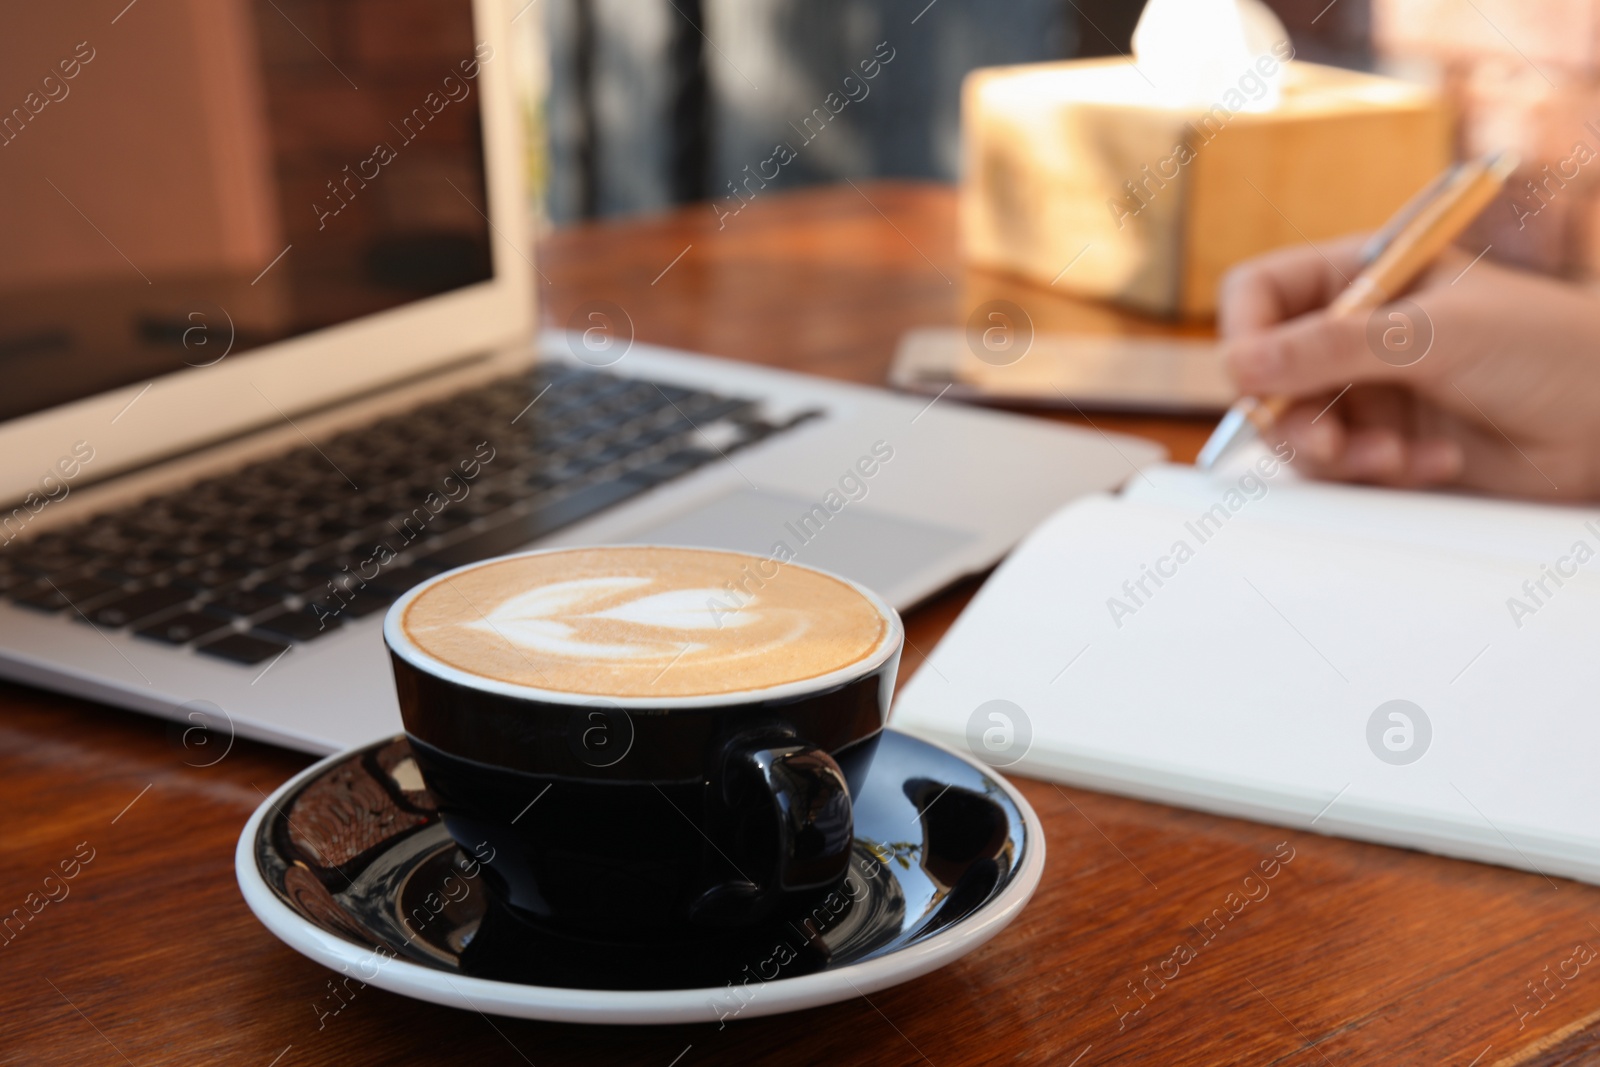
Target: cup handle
<point>814,832</point>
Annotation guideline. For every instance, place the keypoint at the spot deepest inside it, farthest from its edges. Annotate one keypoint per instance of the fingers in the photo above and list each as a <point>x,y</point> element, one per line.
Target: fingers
<point>1278,339</point>
<point>1379,454</point>
<point>1439,461</point>
<point>1281,285</point>
<point>1307,355</point>
<point>1482,377</point>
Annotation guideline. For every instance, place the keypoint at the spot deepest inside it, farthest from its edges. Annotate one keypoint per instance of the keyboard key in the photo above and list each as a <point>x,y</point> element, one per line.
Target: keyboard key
<point>509,536</point>
<point>201,577</point>
<point>185,549</point>
<point>138,568</point>
<point>338,587</point>
<point>252,558</point>
<point>669,467</point>
<point>56,560</point>
<point>756,430</point>
<point>296,583</point>
<point>66,594</point>
<point>675,393</point>
<point>576,467</point>
<point>242,648</point>
<point>184,628</point>
<point>300,625</point>
<point>447,520</point>
<point>714,408</point>
<point>111,545</point>
<point>242,602</point>
<point>396,579</point>
<point>136,607</point>
<point>357,603</point>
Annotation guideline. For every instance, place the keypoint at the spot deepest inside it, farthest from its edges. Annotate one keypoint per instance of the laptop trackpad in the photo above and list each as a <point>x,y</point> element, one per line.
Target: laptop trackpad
<point>876,549</point>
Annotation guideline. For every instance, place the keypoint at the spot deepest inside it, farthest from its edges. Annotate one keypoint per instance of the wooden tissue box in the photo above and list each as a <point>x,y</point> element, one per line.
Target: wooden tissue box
<point>1072,178</point>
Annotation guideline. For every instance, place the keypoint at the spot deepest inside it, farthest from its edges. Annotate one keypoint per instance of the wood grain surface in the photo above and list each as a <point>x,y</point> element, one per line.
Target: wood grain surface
<point>1353,954</point>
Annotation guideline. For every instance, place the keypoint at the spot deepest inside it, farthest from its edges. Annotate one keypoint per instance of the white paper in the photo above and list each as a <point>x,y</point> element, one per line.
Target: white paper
<point>1244,682</point>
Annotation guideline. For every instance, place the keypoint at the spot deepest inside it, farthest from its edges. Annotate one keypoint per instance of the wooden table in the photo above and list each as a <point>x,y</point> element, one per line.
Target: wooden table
<point>1359,954</point>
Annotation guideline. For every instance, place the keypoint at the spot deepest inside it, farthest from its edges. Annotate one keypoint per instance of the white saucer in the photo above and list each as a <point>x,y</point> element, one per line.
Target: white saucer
<point>342,859</point>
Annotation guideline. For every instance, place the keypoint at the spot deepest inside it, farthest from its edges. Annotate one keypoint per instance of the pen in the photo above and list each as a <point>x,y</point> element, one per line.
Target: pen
<point>1406,246</point>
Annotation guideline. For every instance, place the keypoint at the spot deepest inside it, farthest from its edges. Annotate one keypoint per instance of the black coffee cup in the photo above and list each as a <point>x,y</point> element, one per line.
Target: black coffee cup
<point>634,818</point>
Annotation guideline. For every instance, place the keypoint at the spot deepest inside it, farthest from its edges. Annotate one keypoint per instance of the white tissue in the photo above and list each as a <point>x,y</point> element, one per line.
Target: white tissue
<point>1197,51</point>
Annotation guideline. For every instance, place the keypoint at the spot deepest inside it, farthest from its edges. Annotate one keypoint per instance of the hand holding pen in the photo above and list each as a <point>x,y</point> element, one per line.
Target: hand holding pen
<point>1479,376</point>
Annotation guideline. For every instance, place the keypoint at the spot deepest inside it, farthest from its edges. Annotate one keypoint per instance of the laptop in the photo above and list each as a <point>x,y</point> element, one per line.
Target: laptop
<point>267,338</point>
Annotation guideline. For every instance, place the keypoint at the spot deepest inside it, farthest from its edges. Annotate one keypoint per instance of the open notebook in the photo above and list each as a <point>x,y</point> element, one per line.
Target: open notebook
<point>1238,643</point>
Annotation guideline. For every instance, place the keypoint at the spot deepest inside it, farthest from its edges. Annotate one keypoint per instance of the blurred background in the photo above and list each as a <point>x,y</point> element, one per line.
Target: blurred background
<point>656,102</point>
<point>648,103</point>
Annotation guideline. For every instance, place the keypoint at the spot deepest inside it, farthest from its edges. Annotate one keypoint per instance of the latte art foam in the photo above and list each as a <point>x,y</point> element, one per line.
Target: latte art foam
<point>642,622</point>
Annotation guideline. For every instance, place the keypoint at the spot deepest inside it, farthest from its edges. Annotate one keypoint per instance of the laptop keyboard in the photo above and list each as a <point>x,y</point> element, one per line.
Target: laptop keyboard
<point>245,565</point>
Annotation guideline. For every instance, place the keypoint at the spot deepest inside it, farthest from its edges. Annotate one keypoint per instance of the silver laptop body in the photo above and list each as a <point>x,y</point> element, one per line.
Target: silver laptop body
<point>145,360</point>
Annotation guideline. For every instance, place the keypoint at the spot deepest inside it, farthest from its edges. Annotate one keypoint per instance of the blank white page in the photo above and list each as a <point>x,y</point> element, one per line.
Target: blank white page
<point>1244,683</point>
<point>1475,525</point>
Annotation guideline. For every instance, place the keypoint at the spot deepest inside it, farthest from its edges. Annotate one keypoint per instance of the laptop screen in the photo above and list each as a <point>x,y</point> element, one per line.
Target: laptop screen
<point>185,181</point>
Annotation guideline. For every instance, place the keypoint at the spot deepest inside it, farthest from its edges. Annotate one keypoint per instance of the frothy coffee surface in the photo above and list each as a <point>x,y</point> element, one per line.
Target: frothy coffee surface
<point>642,622</point>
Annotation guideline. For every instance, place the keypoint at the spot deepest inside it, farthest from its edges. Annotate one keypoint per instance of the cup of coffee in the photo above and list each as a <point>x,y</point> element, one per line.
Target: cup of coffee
<point>644,742</point>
